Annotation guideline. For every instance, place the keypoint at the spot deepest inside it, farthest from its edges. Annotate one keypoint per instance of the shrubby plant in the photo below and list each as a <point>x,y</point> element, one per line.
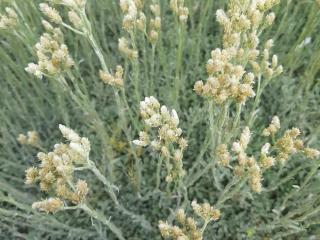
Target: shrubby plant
<point>165,155</point>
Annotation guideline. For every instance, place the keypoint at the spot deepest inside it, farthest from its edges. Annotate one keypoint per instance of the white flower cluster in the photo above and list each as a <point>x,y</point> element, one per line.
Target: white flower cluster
<point>189,227</point>
<point>115,79</point>
<point>80,145</point>
<point>125,49</point>
<point>55,171</point>
<point>227,68</point>
<point>51,13</point>
<point>75,9</point>
<point>8,20</point>
<point>50,205</point>
<point>177,6</point>
<point>133,15</point>
<point>32,138</point>
<point>273,128</point>
<point>265,160</point>
<point>53,55</point>
<point>240,146</point>
<point>169,141</point>
<point>155,23</point>
<point>247,163</point>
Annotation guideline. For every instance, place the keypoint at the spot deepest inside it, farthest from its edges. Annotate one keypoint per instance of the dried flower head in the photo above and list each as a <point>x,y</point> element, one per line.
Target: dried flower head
<point>169,142</point>
<point>188,227</point>
<point>155,24</point>
<point>205,211</point>
<point>75,19</point>
<point>50,205</point>
<point>228,68</point>
<point>52,14</point>
<point>288,145</point>
<point>255,178</point>
<point>178,8</point>
<point>133,15</point>
<point>223,155</point>
<point>32,139</point>
<point>311,153</point>
<point>273,128</point>
<point>115,80</point>
<point>240,146</point>
<point>283,148</point>
<point>55,172</point>
<point>53,55</point>
<point>265,160</point>
<point>8,20</point>
<point>126,50</point>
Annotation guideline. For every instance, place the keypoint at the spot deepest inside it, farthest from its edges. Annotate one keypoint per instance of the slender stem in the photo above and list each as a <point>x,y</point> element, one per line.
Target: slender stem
<point>159,165</point>
<point>215,129</point>
<point>222,119</point>
<point>98,52</point>
<point>256,103</point>
<point>237,119</point>
<point>205,226</point>
<point>211,121</point>
<point>84,103</point>
<point>96,215</point>
<point>228,192</point>
<point>135,67</point>
<point>152,74</point>
<point>178,80</point>
<point>101,177</point>
<point>72,29</point>
<point>120,106</point>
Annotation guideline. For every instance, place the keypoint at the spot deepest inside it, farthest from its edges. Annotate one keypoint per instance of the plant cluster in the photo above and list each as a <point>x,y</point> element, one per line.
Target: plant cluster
<point>165,156</point>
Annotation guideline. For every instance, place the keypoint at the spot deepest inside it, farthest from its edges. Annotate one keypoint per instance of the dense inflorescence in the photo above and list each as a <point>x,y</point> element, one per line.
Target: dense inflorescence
<point>263,179</point>
<point>168,141</point>
<point>247,166</point>
<point>53,55</point>
<point>233,69</point>
<point>190,228</point>
<point>56,169</point>
<point>8,20</point>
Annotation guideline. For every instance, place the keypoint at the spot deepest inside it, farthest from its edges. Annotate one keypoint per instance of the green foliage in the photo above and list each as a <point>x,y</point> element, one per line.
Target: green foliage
<point>287,208</point>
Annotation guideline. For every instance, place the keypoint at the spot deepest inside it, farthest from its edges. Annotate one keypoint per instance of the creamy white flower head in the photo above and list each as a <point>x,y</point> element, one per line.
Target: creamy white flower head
<point>34,69</point>
<point>132,10</point>
<point>265,148</point>
<point>77,147</point>
<point>236,147</point>
<point>154,120</point>
<point>57,161</point>
<point>69,134</point>
<point>154,102</point>
<point>85,144</point>
<point>11,13</point>
<point>276,122</point>
<point>222,17</point>
<point>245,137</point>
<point>165,123</point>
<point>50,205</point>
<point>52,14</point>
<point>196,207</point>
<point>175,117</point>
<point>143,140</point>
